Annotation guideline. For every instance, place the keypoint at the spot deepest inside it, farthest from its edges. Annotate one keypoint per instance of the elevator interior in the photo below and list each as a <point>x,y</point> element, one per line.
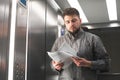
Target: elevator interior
<point>37,26</point>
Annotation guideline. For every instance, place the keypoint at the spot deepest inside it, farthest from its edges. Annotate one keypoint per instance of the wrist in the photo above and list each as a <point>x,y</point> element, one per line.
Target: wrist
<point>89,63</point>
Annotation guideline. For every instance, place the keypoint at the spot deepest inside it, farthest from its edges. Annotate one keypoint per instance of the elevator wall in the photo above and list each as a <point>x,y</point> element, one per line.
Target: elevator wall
<point>4,37</point>
<point>36,40</point>
<point>20,42</point>
<point>51,35</point>
<point>41,34</point>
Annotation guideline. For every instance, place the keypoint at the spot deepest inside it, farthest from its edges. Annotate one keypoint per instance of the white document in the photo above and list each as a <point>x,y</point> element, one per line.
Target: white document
<point>64,54</point>
<point>61,57</point>
<point>67,49</point>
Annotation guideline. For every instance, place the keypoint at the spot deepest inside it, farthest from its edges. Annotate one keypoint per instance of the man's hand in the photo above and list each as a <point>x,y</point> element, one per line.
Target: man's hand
<point>81,62</point>
<point>57,65</point>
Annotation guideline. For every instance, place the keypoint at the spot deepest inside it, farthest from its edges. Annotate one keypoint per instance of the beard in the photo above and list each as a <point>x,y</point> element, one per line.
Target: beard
<point>75,31</point>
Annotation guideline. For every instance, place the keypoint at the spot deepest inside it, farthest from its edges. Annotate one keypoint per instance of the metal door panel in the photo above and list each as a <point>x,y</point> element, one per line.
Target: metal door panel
<point>20,43</point>
<point>4,38</point>
<point>36,40</point>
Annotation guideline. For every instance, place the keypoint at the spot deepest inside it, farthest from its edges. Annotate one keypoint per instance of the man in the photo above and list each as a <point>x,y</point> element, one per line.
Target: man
<point>93,56</point>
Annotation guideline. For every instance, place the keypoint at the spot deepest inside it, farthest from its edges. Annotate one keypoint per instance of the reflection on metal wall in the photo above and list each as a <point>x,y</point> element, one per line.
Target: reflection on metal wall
<point>4,38</point>
<point>111,41</point>
<point>20,43</point>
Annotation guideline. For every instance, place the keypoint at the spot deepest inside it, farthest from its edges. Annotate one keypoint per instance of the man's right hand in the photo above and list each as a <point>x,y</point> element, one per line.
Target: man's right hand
<point>57,65</point>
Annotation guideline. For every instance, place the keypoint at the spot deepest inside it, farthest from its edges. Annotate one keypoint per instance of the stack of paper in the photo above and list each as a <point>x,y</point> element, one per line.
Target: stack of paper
<point>64,54</point>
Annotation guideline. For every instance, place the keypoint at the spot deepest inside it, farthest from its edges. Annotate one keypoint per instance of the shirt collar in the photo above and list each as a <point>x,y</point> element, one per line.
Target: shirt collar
<point>76,35</point>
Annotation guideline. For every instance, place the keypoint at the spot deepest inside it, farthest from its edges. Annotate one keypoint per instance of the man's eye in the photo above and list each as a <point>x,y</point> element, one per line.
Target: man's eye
<point>67,22</point>
<point>74,20</point>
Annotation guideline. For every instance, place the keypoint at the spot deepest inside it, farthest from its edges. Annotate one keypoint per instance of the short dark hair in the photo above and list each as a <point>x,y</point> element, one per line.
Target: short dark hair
<point>70,11</point>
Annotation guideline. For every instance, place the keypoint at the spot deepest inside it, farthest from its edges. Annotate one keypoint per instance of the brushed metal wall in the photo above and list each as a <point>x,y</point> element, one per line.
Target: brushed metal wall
<point>20,43</point>
<point>4,38</point>
<point>36,40</point>
<point>51,35</point>
<point>42,32</point>
<point>20,40</point>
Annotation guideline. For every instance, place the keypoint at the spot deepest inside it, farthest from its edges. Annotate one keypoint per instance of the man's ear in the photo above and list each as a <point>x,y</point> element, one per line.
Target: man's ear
<point>80,20</point>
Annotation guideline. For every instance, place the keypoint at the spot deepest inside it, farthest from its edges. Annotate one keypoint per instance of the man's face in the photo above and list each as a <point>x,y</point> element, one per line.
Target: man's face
<point>72,22</point>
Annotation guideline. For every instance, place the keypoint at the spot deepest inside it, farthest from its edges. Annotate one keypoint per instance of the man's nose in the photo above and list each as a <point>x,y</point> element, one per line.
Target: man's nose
<point>71,23</point>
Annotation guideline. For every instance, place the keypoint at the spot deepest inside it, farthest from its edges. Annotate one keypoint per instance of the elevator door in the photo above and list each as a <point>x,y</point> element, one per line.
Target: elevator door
<point>36,40</point>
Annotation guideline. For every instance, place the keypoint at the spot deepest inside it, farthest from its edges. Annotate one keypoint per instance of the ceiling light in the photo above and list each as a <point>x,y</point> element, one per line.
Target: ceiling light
<point>90,27</point>
<point>112,11</point>
<point>114,25</point>
<point>75,4</point>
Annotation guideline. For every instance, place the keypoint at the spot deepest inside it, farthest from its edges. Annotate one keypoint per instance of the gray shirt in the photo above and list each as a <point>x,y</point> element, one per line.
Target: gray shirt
<point>88,46</point>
